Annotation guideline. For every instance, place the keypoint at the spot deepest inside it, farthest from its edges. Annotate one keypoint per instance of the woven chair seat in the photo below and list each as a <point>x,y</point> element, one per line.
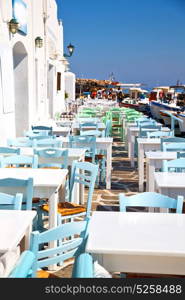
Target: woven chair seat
<point>67,208</point>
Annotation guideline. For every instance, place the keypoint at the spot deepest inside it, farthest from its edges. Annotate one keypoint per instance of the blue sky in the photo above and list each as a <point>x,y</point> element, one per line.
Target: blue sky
<point>137,40</point>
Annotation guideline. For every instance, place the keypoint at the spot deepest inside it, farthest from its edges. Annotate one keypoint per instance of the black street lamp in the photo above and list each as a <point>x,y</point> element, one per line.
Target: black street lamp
<point>70,49</point>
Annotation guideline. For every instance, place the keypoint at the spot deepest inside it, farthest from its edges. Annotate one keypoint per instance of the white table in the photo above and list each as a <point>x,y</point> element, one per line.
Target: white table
<point>138,242</point>
<point>132,133</point>
<point>170,184</point>
<point>154,160</point>
<point>101,144</point>
<point>144,145</point>
<point>14,226</point>
<point>46,183</point>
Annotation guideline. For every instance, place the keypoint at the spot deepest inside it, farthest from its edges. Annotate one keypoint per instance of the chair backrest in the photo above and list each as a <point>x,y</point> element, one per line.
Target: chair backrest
<point>149,199</point>
<point>48,142</point>
<point>175,147</point>
<point>37,133</point>
<point>40,127</point>
<point>85,142</point>
<point>159,134</point>
<point>74,235</point>
<point>143,129</point>
<point>18,161</point>
<point>20,142</point>
<point>24,265</point>
<point>180,154</point>
<point>175,165</point>
<point>9,150</point>
<point>107,128</point>
<point>171,140</point>
<point>11,202</point>
<point>24,186</point>
<point>50,154</point>
<point>84,173</point>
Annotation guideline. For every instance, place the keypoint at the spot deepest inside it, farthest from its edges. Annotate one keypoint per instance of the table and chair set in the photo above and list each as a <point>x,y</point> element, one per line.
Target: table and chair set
<point>42,180</point>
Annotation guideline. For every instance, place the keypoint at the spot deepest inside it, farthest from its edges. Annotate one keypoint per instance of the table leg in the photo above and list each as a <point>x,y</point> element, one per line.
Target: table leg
<point>109,167</point>
<point>25,242</point>
<point>141,167</point>
<point>53,206</point>
<point>150,176</point>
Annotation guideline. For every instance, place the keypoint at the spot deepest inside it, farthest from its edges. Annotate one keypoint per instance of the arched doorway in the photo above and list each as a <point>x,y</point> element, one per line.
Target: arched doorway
<point>20,61</point>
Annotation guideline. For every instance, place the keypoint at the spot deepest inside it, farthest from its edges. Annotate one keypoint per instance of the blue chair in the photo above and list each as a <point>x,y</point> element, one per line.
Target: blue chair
<point>83,266</point>
<point>85,142</point>
<point>159,134</point>
<point>175,147</point>
<point>180,154</point>
<point>175,165</point>
<point>50,154</point>
<point>19,160</point>
<point>83,173</point>
<point>44,128</point>
<point>171,140</point>
<point>11,202</point>
<point>9,150</point>
<point>23,268</point>
<point>143,129</point>
<point>20,142</point>
<point>107,128</point>
<point>13,185</point>
<point>73,236</point>
<point>48,142</point>
<point>150,199</point>
<point>37,133</point>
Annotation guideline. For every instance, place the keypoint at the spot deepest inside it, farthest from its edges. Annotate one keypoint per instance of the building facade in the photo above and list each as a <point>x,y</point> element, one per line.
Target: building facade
<point>32,66</point>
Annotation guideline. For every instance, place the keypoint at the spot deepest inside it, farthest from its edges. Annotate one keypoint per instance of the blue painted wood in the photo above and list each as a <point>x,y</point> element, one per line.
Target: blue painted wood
<point>180,154</point>
<point>7,150</point>
<point>85,142</point>
<point>150,199</point>
<point>11,202</point>
<point>41,127</point>
<point>73,236</point>
<point>21,186</point>
<point>19,160</point>
<point>20,142</point>
<point>171,140</point>
<point>143,129</point>
<point>159,134</point>
<point>53,153</point>
<point>49,142</point>
<point>175,165</point>
<point>83,266</point>
<point>175,147</point>
<point>23,268</point>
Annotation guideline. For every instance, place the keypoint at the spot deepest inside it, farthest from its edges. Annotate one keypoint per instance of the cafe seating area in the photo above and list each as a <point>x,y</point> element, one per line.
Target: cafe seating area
<point>95,193</point>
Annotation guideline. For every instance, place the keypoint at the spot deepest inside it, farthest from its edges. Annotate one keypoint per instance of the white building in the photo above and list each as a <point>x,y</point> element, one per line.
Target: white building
<point>32,81</point>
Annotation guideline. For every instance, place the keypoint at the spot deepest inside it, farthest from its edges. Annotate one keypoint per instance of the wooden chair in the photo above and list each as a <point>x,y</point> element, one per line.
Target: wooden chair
<point>13,185</point>
<point>71,238</point>
<point>83,266</point>
<point>150,199</point>
<point>175,165</point>
<point>9,150</point>
<point>50,154</point>
<point>11,202</point>
<point>19,160</point>
<point>48,142</point>
<point>83,173</point>
<point>143,129</point>
<point>174,147</point>
<point>20,142</point>
<point>23,268</point>
<point>159,134</point>
<point>171,140</point>
<point>40,127</point>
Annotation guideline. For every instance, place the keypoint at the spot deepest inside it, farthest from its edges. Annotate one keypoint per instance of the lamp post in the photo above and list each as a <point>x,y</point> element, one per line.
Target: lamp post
<point>70,49</point>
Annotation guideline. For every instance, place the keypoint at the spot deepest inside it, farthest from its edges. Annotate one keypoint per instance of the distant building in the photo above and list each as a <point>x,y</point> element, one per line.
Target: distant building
<point>32,80</point>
